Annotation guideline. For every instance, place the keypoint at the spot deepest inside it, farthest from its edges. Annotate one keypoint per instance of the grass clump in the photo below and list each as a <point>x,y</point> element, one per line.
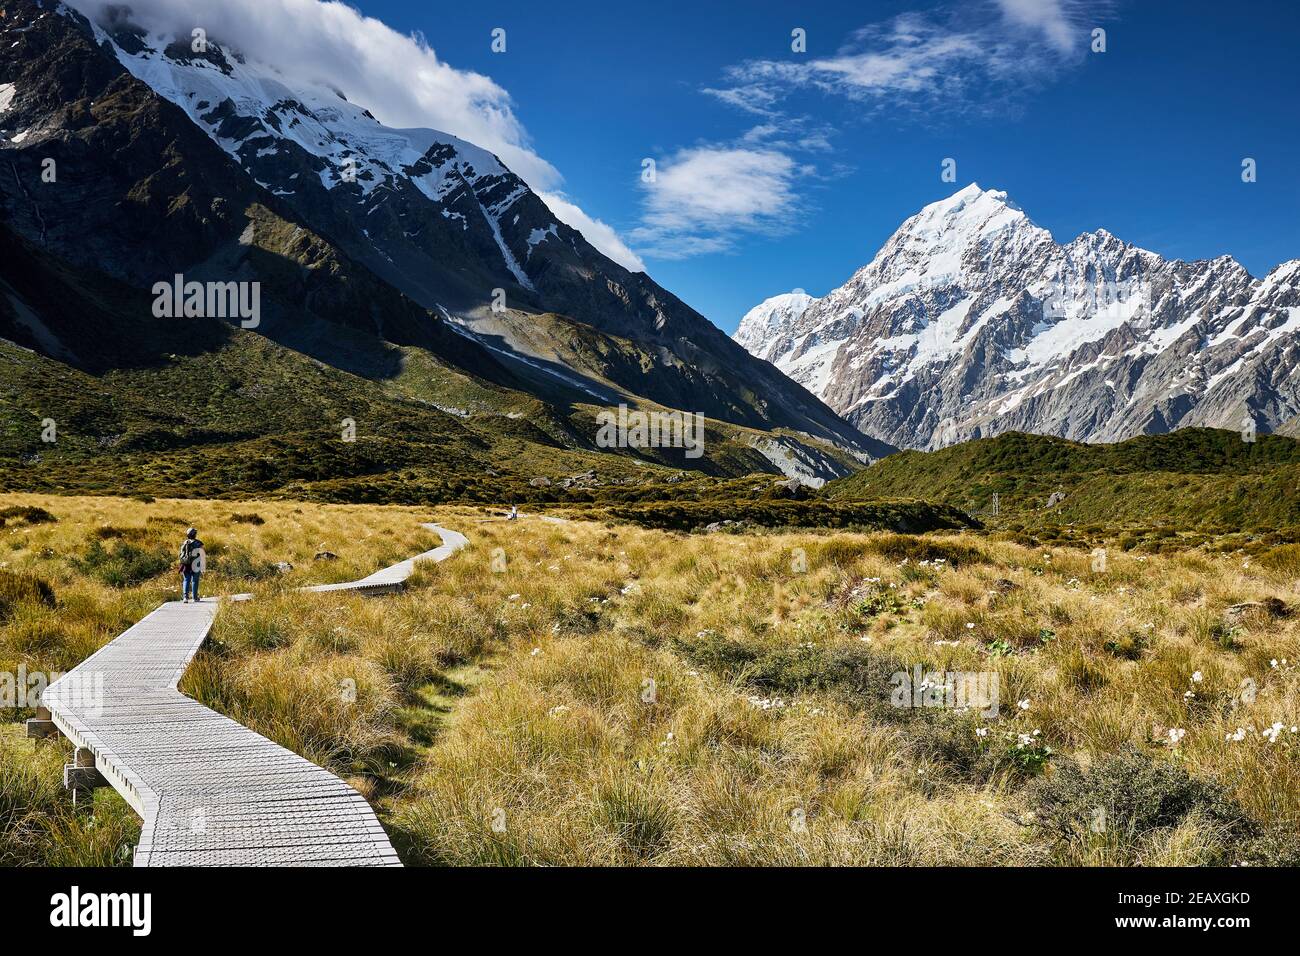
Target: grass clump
<point>39,825</point>
<point>637,812</point>
<point>17,588</point>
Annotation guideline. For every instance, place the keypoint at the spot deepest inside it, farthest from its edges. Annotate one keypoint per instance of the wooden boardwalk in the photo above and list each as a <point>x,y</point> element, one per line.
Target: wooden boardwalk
<point>210,791</point>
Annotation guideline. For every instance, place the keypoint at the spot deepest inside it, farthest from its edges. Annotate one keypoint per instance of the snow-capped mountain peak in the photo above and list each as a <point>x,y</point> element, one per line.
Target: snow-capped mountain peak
<point>972,320</point>
<point>761,325</point>
<point>293,139</point>
<point>240,101</point>
<point>967,214</point>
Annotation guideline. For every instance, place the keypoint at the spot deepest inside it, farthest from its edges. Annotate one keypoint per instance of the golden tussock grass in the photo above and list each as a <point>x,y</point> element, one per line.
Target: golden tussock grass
<point>587,694</point>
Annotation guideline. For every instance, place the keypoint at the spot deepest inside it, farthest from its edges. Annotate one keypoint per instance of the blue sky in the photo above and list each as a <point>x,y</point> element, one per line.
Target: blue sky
<point>779,170</point>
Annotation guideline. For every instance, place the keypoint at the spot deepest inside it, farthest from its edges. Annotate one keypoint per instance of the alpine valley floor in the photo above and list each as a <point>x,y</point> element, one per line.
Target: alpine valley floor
<point>587,692</point>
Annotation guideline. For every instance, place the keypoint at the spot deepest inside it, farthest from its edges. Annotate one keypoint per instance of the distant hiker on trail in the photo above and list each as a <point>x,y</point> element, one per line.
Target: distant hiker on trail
<point>514,514</point>
<point>193,563</point>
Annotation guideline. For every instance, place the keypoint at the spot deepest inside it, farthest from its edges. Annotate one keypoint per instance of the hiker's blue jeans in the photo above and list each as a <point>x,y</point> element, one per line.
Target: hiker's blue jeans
<point>190,583</point>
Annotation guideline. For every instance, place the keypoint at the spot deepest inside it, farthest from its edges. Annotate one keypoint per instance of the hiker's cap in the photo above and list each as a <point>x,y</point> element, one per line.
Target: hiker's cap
<point>191,533</point>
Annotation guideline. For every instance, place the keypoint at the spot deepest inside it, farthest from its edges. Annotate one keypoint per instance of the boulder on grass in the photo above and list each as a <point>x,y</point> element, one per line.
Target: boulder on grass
<point>1269,609</point>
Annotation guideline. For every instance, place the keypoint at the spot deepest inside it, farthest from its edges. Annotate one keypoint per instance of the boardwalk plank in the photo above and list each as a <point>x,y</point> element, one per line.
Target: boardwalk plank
<point>210,791</point>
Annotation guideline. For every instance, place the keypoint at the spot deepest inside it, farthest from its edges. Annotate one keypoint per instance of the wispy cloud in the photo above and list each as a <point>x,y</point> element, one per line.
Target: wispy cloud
<point>706,198</point>
<point>400,79</point>
<point>758,98</point>
<point>790,134</point>
<point>1057,20</point>
<point>961,57</point>
<point>958,58</point>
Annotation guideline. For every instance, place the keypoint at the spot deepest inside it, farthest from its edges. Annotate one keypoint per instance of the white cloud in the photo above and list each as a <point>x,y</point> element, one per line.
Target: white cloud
<point>400,79</point>
<point>704,198</point>
<point>969,56</point>
<point>599,234</point>
<point>958,58</point>
<point>1052,17</point>
<point>751,97</point>
<point>789,135</point>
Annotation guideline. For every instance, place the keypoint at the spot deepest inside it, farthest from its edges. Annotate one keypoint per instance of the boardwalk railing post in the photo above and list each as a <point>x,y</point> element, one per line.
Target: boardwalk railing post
<point>41,726</point>
<point>81,776</point>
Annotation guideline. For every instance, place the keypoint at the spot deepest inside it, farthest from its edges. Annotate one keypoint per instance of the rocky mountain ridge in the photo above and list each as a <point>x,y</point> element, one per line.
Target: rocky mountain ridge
<point>972,321</point>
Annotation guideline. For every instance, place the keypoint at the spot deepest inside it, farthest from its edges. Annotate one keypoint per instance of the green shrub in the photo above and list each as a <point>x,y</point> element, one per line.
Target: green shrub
<point>855,673</point>
<point>124,566</point>
<point>949,738</point>
<point>1225,635</point>
<point>908,517</point>
<point>1129,797</point>
<point>1128,646</point>
<point>906,547</point>
<point>879,601</point>
<point>109,531</point>
<point>1273,846</point>
<point>27,514</point>
<point>238,564</point>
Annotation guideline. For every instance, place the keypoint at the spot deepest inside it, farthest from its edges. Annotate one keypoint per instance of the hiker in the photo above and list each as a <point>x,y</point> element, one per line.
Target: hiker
<point>192,565</point>
<point>514,514</point>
